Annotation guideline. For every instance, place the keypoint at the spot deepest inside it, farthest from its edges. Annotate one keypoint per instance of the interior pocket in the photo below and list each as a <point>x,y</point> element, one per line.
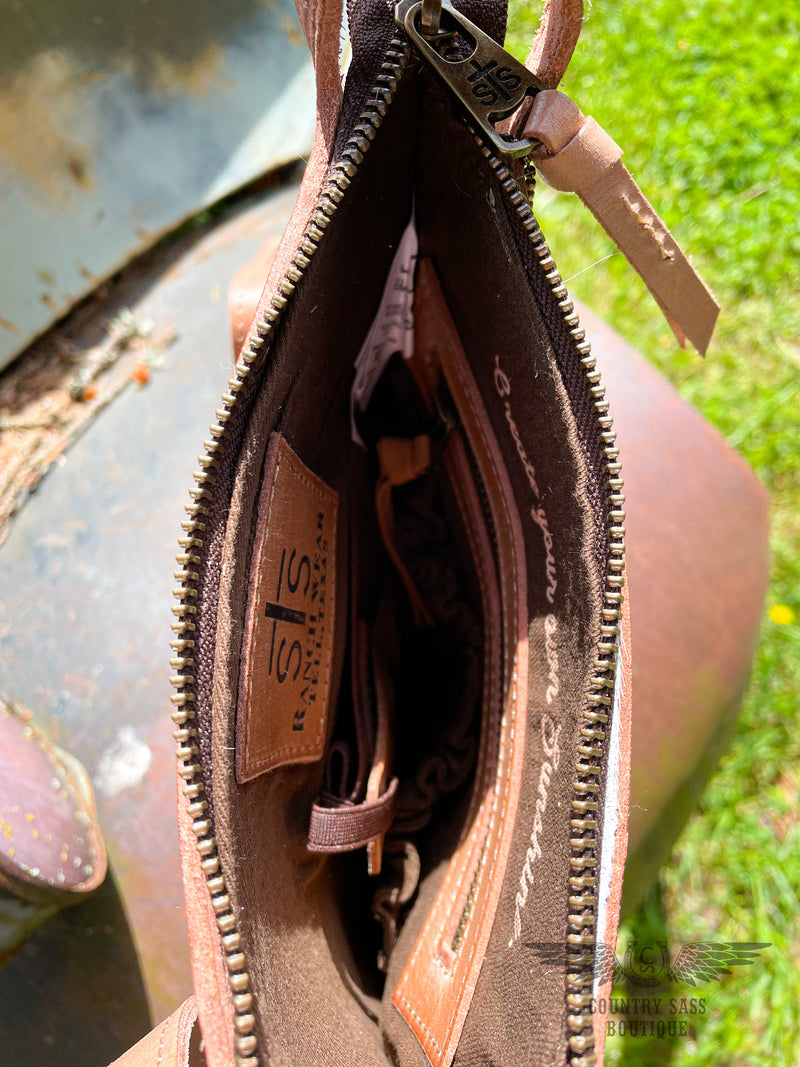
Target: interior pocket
<point>432,663</point>
<point>437,630</point>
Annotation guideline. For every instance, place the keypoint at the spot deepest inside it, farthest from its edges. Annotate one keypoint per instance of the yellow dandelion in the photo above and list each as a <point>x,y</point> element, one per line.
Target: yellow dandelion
<point>782,614</point>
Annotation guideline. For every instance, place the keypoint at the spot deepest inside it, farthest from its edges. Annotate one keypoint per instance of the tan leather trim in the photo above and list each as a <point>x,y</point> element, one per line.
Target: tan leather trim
<point>576,155</point>
<point>400,461</point>
<point>555,40</point>
<point>210,977</point>
<point>479,817</point>
<point>168,1045</point>
<point>381,757</point>
<point>437,984</point>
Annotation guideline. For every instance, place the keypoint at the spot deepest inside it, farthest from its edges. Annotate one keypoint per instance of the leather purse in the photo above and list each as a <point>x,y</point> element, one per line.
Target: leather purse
<point>401,637</point>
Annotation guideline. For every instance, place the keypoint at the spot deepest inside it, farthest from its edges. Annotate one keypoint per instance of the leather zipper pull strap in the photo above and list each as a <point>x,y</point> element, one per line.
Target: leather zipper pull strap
<point>519,115</point>
<point>576,155</point>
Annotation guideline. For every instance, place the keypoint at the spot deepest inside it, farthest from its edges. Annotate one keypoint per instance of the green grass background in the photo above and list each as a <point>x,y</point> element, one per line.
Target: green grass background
<point>704,96</point>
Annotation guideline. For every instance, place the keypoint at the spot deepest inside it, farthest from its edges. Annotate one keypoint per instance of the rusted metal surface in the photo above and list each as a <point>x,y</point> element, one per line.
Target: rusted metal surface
<point>85,579</point>
<point>58,387</point>
<point>118,121</point>
<point>85,611</point>
<point>697,560</point>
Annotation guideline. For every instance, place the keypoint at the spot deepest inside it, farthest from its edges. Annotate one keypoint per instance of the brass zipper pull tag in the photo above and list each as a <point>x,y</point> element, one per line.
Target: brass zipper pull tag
<point>489,82</point>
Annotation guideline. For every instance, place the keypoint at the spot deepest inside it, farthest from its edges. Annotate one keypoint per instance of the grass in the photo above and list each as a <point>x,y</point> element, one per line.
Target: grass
<point>704,96</point>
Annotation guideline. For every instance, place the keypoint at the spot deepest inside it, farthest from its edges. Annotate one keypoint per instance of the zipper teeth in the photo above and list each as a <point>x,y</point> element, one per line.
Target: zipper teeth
<point>583,842</point>
<point>583,902</point>
<point>246,1048</point>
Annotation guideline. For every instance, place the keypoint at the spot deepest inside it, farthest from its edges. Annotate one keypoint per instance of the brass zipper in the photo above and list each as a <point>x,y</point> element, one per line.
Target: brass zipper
<point>583,843</point>
<point>583,901</point>
<point>490,85</point>
<point>189,559</point>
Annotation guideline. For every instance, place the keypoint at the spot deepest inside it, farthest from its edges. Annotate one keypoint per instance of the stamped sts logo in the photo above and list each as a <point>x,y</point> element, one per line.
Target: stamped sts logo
<point>286,661</point>
<point>294,654</point>
<point>491,83</point>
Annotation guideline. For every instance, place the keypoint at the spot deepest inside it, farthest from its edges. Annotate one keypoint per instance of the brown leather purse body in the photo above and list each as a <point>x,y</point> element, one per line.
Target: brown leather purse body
<point>402,692</point>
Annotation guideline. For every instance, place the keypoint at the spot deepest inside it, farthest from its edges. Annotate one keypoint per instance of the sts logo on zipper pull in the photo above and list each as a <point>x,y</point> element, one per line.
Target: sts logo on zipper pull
<point>489,82</point>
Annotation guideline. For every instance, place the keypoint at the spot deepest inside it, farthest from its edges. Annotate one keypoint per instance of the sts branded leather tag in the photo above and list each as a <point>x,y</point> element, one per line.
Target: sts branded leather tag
<point>285,684</point>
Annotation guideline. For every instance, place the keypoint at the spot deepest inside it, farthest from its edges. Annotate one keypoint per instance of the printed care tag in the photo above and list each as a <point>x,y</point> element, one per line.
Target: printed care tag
<point>288,641</point>
<point>392,329</point>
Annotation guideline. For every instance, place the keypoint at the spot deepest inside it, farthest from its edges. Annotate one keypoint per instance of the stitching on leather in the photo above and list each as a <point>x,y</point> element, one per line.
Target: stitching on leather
<point>504,598</point>
<point>161,1041</point>
<point>507,736</point>
<point>500,788</point>
<point>487,738</point>
<point>256,765</point>
<point>431,1039</point>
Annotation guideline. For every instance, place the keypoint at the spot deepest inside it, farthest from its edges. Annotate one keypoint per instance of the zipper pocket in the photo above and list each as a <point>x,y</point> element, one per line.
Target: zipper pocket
<point>193,548</point>
<point>191,572</point>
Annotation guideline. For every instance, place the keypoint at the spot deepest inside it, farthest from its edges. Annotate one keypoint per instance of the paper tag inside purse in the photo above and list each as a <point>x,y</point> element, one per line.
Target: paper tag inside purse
<point>288,642</point>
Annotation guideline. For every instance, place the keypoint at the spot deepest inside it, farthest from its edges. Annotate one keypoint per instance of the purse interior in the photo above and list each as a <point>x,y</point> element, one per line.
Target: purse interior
<point>480,654</point>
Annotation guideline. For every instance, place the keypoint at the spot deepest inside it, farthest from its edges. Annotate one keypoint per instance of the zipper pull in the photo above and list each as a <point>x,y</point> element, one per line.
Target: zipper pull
<point>571,151</point>
<point>488,81</point>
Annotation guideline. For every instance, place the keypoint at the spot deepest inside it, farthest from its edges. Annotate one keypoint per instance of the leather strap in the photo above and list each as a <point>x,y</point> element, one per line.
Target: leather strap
<point>175,1043</point>
<point>576,155</point>
<point>552,50</point>
<point>401,461</point>
<point>555,40</point>
<point>321,21</point>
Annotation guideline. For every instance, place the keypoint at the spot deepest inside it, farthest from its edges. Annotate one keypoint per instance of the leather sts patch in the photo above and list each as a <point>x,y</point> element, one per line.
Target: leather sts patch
<point>288,641</point>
